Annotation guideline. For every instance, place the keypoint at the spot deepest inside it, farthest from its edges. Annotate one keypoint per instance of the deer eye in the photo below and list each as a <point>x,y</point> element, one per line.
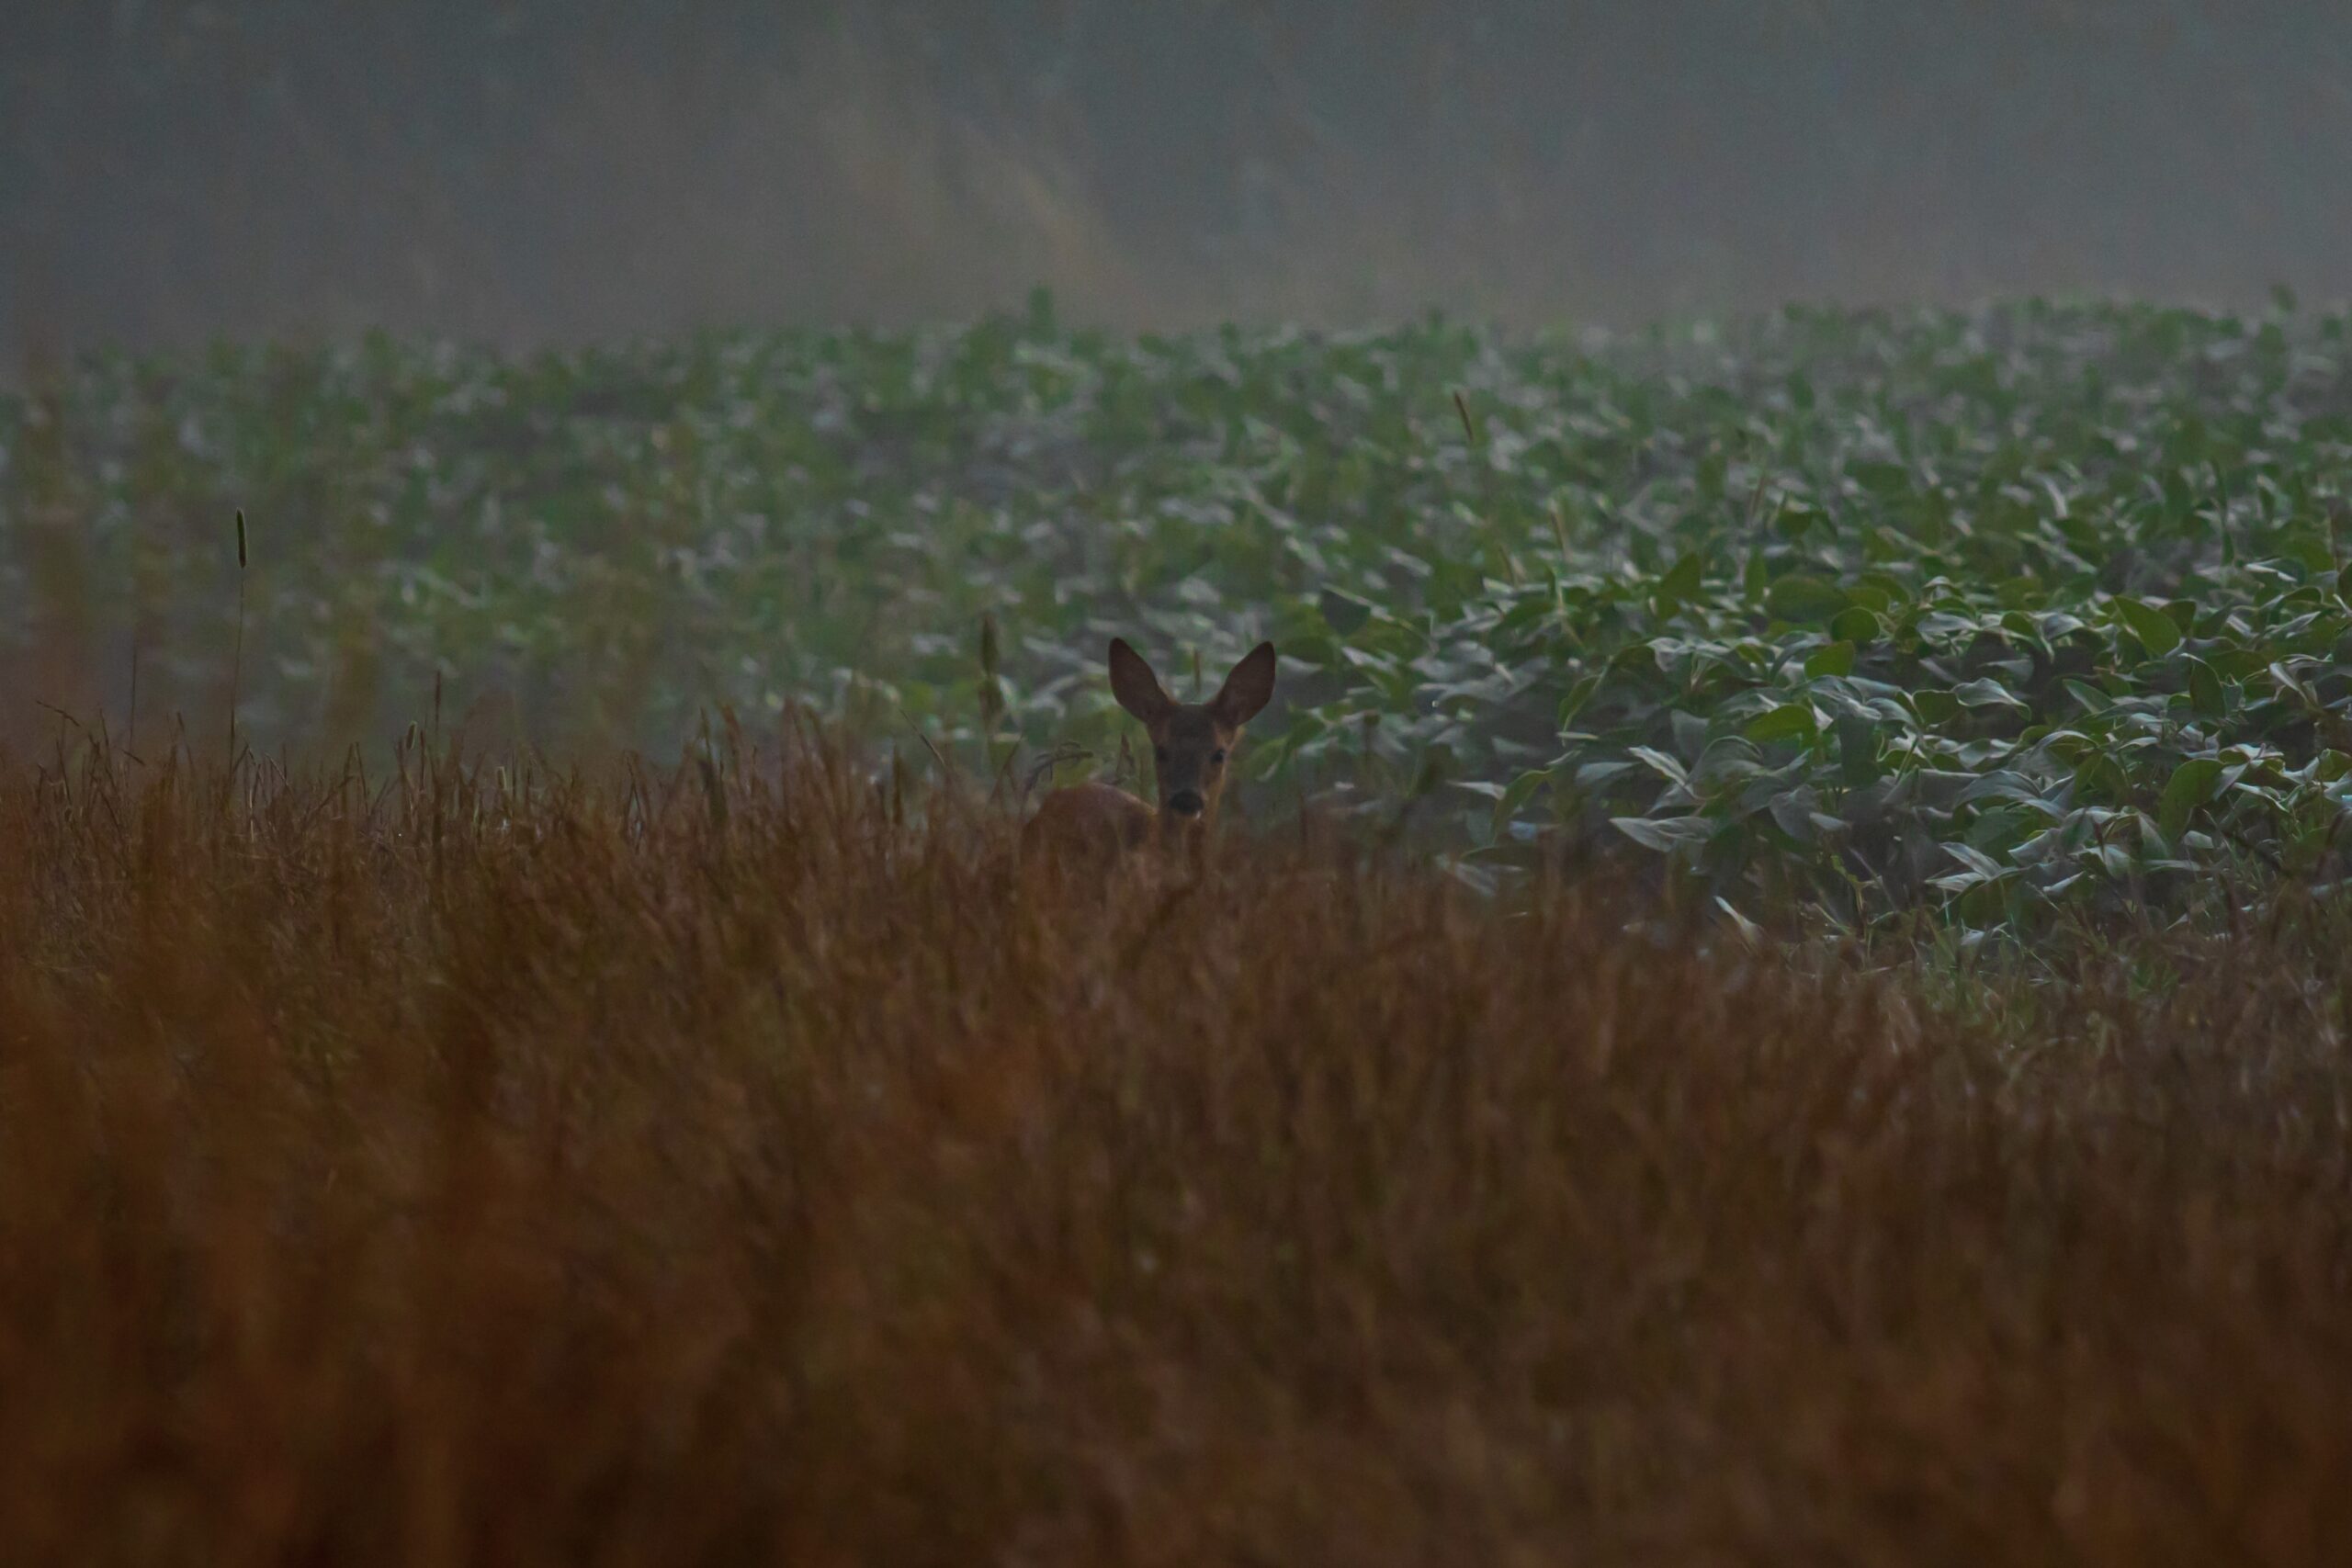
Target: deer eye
<point>1216,757</point>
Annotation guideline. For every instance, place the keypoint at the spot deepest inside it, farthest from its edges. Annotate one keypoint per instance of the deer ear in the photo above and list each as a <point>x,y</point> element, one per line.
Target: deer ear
<point>1136,686</point>
<point>1246,689</point>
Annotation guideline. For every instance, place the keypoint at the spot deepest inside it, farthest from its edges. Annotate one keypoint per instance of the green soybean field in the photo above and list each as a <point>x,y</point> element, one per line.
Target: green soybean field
<point>1992,613</point>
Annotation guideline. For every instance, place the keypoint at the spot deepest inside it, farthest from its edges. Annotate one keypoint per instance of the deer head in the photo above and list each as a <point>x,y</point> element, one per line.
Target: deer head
<point>1191,742</point>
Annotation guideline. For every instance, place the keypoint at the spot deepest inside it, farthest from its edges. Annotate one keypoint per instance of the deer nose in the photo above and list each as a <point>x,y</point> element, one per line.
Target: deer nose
<point>1186,803</point>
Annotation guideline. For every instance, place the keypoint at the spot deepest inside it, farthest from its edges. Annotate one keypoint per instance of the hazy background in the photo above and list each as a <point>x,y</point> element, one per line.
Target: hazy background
<point>554,169</point>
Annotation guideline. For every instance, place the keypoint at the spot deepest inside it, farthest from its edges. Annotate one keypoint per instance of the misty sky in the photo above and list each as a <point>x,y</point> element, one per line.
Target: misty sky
<point>540,171</point>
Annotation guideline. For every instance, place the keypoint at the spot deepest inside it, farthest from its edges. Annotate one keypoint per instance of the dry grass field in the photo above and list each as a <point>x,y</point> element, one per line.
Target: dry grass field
<point>758,1165</point>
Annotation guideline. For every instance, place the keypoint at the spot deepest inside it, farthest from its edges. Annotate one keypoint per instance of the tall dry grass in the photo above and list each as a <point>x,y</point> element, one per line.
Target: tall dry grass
<point>743,1165</point>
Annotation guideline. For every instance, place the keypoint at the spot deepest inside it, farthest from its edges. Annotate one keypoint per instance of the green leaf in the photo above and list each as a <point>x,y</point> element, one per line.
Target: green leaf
<point>2293,684</point>
<point>2190,787</point>
<point>1578,696</point>
<point>2206,698</point>
<point>1857,749</point>
<point>1974,859</point>
<point>2090,696</point>
<point>1935,708</point>
<point>1690,732</point>
<point>1838,659</point>
<point>1344,612</point>
<point>1678,586</point>
<point>2099,777</point>
<point>1507,798</point>
<point>1856,625</point>
<point>1666,767</point>
<point>1980,870</point>
<point>1802,601</point>
<point>1790,721</point>
<point>1987,693</point>
<point>1522,789</point>
<point>2154,630</point>
<point>1665,834</point>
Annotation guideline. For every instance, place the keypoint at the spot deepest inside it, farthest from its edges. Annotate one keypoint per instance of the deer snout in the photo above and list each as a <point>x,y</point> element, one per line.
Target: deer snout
<point>1186,803</point>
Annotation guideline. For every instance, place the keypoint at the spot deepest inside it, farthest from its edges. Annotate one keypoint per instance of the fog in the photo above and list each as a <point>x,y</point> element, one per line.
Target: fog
<point>554,169</point>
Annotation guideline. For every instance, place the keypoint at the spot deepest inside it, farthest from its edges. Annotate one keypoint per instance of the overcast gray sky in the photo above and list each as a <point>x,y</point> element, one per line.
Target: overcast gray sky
<point>558,169</point>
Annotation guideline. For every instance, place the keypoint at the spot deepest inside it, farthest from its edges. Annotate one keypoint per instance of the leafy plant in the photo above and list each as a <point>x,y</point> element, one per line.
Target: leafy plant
<point>1996,611</point>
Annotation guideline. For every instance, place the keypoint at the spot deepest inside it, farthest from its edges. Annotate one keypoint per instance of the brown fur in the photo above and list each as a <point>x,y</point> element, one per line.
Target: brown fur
<point>1191,745</point>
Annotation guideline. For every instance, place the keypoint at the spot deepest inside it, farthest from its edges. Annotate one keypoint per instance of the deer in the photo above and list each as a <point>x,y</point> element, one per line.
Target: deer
<point>1192,744</point>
